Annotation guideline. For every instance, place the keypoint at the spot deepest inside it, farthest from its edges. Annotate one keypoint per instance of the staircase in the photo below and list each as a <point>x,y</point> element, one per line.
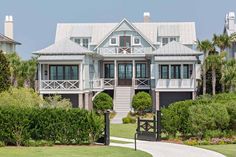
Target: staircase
<point>123,96</point>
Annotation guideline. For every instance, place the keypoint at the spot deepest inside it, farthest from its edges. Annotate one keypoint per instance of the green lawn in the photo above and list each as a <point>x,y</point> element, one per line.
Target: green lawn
<point>228,150</point>
<point>123,130</point>
<point>70,151</point>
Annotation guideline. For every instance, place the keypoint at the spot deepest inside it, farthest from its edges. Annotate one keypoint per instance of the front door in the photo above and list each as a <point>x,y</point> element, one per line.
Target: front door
<point>125,73</point>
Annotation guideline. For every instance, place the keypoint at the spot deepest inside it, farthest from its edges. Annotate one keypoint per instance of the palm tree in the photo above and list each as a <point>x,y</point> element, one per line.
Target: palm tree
<point>229,72</point>
<point>213,62</point>
<point>204,46</point>
<point>222,42</point>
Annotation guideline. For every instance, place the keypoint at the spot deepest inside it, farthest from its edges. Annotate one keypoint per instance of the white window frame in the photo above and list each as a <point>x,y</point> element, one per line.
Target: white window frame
<point>116,44</point>
<point>134,41</point>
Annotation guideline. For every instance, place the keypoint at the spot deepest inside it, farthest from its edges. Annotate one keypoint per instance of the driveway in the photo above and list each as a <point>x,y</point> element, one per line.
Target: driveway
<point>163,149</point>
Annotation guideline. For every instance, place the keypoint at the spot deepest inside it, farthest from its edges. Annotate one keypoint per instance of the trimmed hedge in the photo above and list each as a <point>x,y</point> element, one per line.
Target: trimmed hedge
<point>141,102</point>
<point>197,117</point>
<point>71,126</point>
<point>102,102</point>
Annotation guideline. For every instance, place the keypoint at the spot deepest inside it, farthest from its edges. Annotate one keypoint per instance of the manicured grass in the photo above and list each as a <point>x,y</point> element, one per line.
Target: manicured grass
<point>70,151</point>
<point>123,130</point>
<point>228,150</point>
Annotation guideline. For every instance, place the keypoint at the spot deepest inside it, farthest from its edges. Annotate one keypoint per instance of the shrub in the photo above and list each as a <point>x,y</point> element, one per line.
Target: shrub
<point>39,143</point>
<point>68,126</point>
<point>21,97</point>
<point>214,134</point>
<point>4,73</point>
<point>129,119</point>
<point>102,102</point>
<point>56,101</point>
<point>142,101</point>
<point>2,144</point>
<point>231,108</point>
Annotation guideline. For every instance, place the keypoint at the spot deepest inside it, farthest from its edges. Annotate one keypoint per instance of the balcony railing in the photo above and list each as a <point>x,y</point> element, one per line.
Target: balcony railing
<point>96,84</point>
<point>142,83</point>
<point>59,84</point>
<point>124,50</point>
<point>109,82</point>
<point>175,83</point>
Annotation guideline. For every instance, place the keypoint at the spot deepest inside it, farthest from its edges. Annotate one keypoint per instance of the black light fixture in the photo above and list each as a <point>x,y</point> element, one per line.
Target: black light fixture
<point>45,72</point>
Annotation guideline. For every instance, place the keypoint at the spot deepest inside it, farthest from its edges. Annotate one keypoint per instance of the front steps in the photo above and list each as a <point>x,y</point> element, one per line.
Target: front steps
<point>122,103</point>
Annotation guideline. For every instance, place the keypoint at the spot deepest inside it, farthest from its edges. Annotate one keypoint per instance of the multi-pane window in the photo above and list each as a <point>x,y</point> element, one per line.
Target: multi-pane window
<point>63,72</point>
<point>85,42</point>
<point>136,40</point>
<point>140,70</point>
<point>173,39</point>
<point>164,71</point>
<point>113,41</point>
<point>77,40</point>
<point>165,41</point>
<point>187,71</point>
<point>109,70</point>
<point>175,71</point>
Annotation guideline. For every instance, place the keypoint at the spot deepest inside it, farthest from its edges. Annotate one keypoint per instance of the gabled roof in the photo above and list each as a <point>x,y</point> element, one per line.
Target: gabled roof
<point>151,30</point>
<point>132,26</point>
<point>65,46</point>
<point>5,39</point>
<point>176,49</point>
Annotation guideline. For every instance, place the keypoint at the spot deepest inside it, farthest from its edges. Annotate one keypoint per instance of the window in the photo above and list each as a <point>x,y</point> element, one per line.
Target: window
<point>140,70</point>
<point>85,42</point>
<point>175,72</point>
<point>137,41</point>
<point>77,40</point>
<point>164,69</point>
<point>165,41</point>
<point>109,70</point>
<point>63,72</point>
<point>173,39</point>
<point>125,41</point>
<point>187,71</point>
<point>113,41</point>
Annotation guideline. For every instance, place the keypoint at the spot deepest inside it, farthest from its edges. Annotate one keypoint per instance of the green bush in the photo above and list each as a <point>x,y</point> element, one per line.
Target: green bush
<point>21,97</point>
<point>68,126</point>
<point>129,119</point>
<point>2,144</point>
<point>40,143</point>
<point>231,108</point>
<point>214,134</point>
<point>221,116</point>
<point>56,101</point>
<point>102,102</point>
<point>142,101</point>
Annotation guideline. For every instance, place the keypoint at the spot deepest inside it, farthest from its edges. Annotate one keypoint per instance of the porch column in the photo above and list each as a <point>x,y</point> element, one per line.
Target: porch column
<point>157,101</point>
<point>81,101</point>
<point>169,71</point>
<point>133,78</point>
<point>39,75</point>
<point>182,71</point>
<point>115,73</point>
<point>86,101</point>
<point>193,95</point>
<point>81,76</point>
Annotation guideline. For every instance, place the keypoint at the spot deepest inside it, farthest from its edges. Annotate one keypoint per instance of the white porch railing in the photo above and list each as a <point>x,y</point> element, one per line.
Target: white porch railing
<point>96,84</point>
<point>124,50</point>
<point>59,84</point>
<point>142,83</point>
<point>109,83</point>
<point>175,83</point>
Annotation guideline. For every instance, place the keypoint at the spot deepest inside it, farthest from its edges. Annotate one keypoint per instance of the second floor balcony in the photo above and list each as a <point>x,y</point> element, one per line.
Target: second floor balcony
<point>123,50</point>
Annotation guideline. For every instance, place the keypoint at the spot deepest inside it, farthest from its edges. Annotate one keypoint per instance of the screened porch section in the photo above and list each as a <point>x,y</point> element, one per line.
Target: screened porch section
<point>59,77</point>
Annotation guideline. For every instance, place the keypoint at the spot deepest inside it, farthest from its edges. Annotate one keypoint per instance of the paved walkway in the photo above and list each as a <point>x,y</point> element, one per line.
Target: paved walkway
<point>163,149</point>
<point>118,118</point>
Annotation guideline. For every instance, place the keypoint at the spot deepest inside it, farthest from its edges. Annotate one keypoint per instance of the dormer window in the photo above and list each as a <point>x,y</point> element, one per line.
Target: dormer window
<point>82,41</point>
<point>113,41</point>
<point>136,41</point>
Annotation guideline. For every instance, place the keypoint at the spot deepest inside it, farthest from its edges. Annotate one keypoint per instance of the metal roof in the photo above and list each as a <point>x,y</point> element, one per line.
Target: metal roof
<point>65,46</point>
<point>60,57</point>
<point>97,31</point>
<point>175,48</point>
<point>5,39</point>
<point>175,58</point>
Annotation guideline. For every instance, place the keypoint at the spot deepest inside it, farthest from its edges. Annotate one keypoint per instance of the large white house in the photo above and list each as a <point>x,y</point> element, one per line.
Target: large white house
<point>229,29</point>
<point>121,59</point>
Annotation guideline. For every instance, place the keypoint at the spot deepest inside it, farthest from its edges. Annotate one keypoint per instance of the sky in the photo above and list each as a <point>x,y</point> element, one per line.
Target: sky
<point>35,21</point>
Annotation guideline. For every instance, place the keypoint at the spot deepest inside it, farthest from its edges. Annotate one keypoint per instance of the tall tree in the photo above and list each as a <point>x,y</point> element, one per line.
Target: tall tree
<point>204,46</point>
<point>222,41</point>
<point>229,72</point>
<point>213,62</point>
<point>4,73</point>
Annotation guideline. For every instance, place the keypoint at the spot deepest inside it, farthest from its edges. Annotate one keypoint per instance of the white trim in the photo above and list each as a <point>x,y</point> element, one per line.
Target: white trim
<point>133,40</point>
<point>117,41</point>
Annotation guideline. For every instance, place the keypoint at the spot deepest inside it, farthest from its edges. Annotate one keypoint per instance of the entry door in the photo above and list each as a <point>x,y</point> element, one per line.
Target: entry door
<point>125,73</point>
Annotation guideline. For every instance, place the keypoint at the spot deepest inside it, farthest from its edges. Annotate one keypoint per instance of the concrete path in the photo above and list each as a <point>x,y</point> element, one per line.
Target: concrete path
<point>118,118</point>
<point>163,149</point>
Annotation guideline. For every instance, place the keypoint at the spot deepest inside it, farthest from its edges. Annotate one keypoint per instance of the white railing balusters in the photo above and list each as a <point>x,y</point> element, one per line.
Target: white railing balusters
<point>59,84</point>
<point>175,83</point>
<point>142,83</point>
<point>124,50</point>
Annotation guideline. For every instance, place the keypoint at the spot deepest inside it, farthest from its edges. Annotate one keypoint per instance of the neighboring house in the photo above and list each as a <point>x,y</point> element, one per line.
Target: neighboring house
<point>121,59</point>
<point>229,29</point>
<point>7,42</point>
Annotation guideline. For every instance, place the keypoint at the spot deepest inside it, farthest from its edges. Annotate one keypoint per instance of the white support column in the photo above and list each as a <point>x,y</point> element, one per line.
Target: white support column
<point>157,101</point>
<point>39,75</point>
<point>169,71</point>
<point>115,73</point>
<point>86,101</point>
<point>81,101</point>
<point>182,71</point>
<point>133,70</point>
<point>81,76</point>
